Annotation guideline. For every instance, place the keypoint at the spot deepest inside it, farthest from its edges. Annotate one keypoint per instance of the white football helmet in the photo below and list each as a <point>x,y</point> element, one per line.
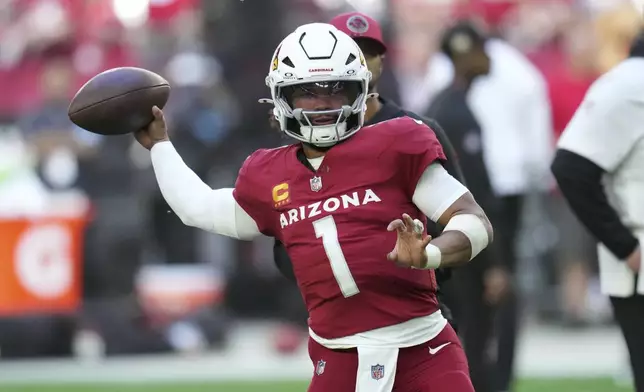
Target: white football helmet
<point>318,57</point>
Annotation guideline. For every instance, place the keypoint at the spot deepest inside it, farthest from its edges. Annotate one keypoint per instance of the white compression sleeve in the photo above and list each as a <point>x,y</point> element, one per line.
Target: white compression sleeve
<point>436,191</point>
<point>198,205</point>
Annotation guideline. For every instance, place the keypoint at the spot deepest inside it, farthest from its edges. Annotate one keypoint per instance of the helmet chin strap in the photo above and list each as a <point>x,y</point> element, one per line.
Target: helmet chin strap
<point>339,128</point>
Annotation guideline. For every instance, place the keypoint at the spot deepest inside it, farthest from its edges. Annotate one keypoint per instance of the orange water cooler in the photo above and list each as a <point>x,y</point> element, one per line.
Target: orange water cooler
<point>40,264</point>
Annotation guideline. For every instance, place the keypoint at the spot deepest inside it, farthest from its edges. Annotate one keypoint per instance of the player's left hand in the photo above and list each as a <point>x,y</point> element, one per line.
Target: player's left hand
<point>410,245</point>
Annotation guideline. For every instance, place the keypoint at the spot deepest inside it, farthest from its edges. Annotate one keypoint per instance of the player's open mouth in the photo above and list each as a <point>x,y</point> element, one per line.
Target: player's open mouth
<point>324,119</point>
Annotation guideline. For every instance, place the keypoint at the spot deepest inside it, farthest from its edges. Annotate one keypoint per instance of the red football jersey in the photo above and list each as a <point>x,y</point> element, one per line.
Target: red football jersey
<point>333,223</point>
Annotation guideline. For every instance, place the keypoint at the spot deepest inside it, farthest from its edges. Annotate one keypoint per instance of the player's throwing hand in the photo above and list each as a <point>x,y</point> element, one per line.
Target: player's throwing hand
<point>410,245</point>
<point>155,132</point>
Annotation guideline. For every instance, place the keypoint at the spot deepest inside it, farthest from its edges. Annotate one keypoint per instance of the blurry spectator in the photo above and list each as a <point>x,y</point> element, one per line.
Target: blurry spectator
<point>496,14</point>
<point>532,25</point>
<point>21,191</point>
<point>512,107</point>
<point>570,77</point>
<point>568,80</point>
<point>163,12</point>
<point>417,27</point>
<point>85,32</point>
<point>615,28</point>
<point>57,141</point>
<point>34,28</point>
<point>477,288</point>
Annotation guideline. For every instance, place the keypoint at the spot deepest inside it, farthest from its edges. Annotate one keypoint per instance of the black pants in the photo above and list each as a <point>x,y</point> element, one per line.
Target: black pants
<point>629,313</point>
<point>464,294</point>
<point>507,314</point>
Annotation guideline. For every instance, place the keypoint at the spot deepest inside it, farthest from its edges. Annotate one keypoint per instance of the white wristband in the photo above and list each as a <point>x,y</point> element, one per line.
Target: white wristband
<point>433,257</point>
<point>434,254</point>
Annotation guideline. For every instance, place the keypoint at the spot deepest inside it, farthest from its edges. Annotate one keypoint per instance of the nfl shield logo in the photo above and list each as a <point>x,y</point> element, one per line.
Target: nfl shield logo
<point>316,184</point>
<point>377,372</point>
<point>319,369</point>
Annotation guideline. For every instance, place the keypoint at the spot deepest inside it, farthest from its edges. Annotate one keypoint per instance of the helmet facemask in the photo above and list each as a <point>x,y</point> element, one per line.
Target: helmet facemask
<point>331,110</point>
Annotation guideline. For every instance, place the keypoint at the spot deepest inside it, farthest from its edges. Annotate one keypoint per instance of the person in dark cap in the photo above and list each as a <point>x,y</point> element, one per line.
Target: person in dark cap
<point>475,289</point>
<point>368,35</point>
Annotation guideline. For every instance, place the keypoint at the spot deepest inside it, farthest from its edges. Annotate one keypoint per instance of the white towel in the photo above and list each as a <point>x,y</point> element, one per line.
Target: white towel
<point>376,369</point>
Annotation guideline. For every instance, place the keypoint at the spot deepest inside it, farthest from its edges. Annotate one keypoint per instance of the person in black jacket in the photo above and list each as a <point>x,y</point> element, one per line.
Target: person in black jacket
<point>367,33</point>
<point>475,290</point>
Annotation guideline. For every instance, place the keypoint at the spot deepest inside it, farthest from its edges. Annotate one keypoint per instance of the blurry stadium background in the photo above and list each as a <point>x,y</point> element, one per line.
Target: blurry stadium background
<point>103,289</point>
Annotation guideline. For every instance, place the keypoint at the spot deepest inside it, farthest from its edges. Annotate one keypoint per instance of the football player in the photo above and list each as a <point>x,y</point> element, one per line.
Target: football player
<point>367,33</point>
<point>348,207</point>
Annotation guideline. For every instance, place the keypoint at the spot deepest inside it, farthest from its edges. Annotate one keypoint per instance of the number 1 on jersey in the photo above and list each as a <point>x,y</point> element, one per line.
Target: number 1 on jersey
<point>326,229</point>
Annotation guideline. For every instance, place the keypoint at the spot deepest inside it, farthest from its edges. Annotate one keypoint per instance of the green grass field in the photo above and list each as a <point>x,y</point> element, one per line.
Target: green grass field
<point>589,385</point>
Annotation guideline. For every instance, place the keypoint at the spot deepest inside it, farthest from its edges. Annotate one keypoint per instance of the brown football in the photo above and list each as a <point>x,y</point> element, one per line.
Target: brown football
<point>118,101</point>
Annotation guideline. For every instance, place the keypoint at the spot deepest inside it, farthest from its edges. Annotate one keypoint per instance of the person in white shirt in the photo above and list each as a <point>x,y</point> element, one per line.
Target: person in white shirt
<point>599,166</point>
<point>512,107</point>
